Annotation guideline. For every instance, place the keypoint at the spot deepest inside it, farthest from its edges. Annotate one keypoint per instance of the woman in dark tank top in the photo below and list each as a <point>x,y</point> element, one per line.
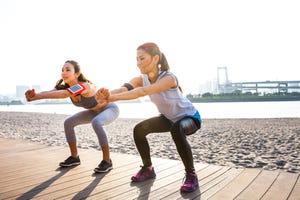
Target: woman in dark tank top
<point>81,91</point>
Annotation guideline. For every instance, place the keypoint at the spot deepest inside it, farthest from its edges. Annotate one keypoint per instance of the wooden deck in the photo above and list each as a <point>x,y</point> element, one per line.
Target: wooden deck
<point>30,171</point>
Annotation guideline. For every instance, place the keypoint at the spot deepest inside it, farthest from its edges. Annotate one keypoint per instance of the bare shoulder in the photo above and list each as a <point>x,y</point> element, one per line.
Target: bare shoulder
<point>169,80</point>
<point>136,81</point>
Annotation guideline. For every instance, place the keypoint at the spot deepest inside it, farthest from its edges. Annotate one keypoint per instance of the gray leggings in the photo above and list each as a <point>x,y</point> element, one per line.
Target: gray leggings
<point>98,120</point>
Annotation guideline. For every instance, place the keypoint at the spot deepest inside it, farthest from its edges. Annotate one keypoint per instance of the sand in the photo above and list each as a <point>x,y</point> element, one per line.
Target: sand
<point>272,144</point>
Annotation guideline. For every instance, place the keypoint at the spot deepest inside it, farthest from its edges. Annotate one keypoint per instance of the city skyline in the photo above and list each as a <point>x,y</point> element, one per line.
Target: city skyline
<point>207,87</point>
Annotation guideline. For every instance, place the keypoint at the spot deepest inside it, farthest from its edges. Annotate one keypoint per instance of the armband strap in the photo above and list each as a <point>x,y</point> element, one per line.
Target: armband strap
<point>128,86</point>
<point>76,89</point>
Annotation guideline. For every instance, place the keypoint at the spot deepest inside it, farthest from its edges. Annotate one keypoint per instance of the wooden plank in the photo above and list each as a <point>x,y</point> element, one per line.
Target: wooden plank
<point>231,190</point>
<point>259,186</point>
<point>220,183</point>
<point>282,187</point>
<point>295,194</point>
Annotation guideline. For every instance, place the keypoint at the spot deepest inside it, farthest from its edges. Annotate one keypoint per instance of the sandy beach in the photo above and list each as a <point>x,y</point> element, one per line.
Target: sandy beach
<point>272,144</point>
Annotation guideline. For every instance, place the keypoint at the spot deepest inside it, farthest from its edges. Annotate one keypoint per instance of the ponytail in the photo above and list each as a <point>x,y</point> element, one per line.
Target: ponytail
<point>60,85</point>
<point>164,66</point>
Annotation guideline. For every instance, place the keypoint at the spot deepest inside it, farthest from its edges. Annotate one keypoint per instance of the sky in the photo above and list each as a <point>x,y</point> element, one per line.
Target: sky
<point>256,40</point>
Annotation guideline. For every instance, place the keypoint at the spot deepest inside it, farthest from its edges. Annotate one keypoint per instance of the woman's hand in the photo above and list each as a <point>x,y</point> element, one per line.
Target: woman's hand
<point>30,94</point>
<point>102,95</point>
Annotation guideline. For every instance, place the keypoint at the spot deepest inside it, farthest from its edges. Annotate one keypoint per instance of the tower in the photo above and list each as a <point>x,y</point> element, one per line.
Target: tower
<point>222,79</point>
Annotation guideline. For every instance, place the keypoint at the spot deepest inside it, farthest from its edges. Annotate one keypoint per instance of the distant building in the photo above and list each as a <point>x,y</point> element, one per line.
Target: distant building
<point>20,91</point>
<point>37,88</point>
<point>208,87</point>
<point>4,98</point>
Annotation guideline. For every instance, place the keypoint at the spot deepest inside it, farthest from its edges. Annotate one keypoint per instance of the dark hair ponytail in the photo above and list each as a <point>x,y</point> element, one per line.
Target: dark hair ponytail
<point>60,85</point>
<point>164,66</point>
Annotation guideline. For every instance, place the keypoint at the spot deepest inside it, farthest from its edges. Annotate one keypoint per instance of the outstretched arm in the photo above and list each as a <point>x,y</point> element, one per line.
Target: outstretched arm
<point>163,84</point>
<point>31,95</point>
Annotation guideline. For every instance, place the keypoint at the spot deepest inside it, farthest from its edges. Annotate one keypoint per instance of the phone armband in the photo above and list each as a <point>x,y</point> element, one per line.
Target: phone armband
<point>76,89</point>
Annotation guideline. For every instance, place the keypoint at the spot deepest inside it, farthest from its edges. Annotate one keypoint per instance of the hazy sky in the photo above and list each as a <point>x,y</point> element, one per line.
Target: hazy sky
<point>256,40</point>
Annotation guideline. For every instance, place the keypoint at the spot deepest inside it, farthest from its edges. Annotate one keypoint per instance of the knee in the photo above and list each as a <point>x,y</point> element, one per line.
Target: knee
<point>139,131</point>
<point>176,132</point>
<point>68,123</point>
<point>95,123</point>
<point>136,130</point>
<point>97,126</point>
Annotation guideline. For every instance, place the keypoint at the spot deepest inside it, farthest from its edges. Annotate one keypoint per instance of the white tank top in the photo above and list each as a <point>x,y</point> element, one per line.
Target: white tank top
<point>171,103</point>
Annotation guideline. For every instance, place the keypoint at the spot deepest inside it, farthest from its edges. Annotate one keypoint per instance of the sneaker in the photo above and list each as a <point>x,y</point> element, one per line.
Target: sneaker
<point>190,184</point>
<point>104,166</point>
<point>144,174</point>
<point>71,161</point>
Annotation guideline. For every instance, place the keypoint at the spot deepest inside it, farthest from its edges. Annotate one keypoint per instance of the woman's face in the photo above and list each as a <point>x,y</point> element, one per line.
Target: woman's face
<point>68,74</point>
<point>145,62</point>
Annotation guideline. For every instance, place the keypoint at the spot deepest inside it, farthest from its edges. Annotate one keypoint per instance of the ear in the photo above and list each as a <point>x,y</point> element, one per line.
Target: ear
<point>156,59</point>
<point>77,74</point>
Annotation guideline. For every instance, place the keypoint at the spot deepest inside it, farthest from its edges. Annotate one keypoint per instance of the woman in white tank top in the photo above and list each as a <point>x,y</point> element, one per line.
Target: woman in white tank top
<point>178,115</point>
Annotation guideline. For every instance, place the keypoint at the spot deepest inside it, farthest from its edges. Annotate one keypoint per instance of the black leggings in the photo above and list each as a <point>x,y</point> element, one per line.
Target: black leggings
<point>179,130</point>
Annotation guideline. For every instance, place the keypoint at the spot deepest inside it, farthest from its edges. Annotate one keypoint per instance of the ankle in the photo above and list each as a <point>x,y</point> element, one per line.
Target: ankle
<point>190,172</point>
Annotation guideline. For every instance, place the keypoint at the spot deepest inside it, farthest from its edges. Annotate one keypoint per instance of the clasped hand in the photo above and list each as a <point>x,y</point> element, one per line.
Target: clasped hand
<point>102,95</point>
<point>30,94</point>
